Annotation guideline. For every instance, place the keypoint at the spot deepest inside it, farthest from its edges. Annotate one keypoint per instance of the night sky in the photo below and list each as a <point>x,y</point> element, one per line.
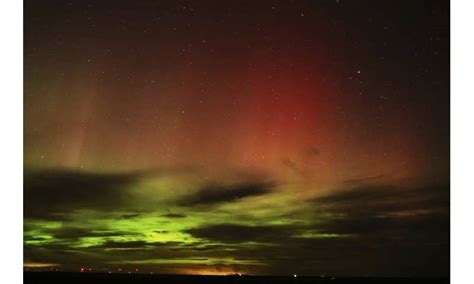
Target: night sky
<point>253,137</point>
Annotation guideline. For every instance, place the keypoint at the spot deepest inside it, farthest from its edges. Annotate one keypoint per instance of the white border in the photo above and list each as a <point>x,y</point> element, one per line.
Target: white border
<point>11,148</point>
<point>462,140</point>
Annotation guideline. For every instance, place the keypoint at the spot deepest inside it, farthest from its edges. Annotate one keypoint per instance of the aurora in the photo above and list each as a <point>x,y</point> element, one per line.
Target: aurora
<point>269,138</point>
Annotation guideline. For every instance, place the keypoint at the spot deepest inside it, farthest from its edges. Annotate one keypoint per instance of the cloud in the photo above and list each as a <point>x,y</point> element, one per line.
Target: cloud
<point>364,226</point>
<point>74,233</point>
<point>214,193</point>
<point>174,215</point>
<point>49,194</point>
<point>389,211</point>
<point>124,245</point>
<point>383,199</point>
<point>130,215</point>
<point>234,233</point>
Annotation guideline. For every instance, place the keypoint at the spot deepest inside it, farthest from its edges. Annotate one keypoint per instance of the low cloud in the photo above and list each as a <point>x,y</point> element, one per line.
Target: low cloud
<point>174,215</point>
<point>130,215</point>
<point>380,200</point>
<point>215,193</point>
<point>363,226</point>
<point>234,233</point>
<point>406,214</point>
<point>50,194</point>
<point>76,233</point>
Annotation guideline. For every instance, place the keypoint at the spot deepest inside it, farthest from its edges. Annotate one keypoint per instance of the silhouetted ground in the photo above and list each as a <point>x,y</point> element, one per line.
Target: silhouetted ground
<point>92,278</point>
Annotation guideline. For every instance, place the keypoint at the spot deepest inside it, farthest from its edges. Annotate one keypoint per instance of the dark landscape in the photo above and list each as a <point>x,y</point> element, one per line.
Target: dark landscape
<point>65,277</point>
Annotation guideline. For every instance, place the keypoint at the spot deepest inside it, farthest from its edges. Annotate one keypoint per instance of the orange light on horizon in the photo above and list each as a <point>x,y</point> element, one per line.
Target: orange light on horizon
<point>209,272</point>
<point>39,265</point>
